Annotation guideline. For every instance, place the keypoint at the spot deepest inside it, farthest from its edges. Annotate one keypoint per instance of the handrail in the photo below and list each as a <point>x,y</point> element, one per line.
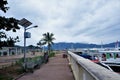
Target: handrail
<point>84,69</point>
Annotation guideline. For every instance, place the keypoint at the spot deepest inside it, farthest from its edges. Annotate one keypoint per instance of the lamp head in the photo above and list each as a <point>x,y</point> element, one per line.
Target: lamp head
<point>35,26</point>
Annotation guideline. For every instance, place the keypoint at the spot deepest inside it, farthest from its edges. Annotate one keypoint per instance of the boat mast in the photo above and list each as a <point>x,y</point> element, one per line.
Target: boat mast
<point>101,45</point>
<point>117,44</point>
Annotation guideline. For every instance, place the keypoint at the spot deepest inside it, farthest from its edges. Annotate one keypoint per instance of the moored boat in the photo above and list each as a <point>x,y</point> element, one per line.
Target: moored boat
<point>111,58</point>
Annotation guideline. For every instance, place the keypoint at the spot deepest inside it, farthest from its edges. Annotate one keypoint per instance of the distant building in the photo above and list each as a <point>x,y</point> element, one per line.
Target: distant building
<point>7,51</point>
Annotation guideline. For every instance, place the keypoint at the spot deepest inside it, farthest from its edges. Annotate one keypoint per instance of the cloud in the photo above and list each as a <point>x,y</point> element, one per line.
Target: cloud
<point>70,20</point>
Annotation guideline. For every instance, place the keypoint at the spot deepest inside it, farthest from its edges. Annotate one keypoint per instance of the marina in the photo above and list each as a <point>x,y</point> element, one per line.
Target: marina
<point>108,58</point>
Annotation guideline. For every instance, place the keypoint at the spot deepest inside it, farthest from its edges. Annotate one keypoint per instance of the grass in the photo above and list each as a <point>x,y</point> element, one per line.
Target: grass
<point>11,72</point>
<point>52,54</point>
<point>34,59</point>
<point>3,77</point>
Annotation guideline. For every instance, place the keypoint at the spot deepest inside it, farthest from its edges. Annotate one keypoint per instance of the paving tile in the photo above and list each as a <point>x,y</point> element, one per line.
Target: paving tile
<point>56,69</point>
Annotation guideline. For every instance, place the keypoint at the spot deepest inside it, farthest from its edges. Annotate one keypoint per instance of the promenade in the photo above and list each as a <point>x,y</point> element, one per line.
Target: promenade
<point>56,69</point>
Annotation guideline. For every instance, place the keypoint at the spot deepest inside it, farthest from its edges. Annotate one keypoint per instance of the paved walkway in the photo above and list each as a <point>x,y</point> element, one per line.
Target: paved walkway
<point>56,69</point>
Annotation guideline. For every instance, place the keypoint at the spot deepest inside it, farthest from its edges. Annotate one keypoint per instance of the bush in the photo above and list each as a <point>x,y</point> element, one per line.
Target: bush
<point>19,62</point>
<point>20,71</point>
<point>4,77</point>
<point>52,54</point>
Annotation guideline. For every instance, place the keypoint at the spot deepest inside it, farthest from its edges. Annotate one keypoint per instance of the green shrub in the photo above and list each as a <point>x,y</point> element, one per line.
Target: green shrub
<point>4,77</point>
<point>52,54</point>
<point>20,71</point>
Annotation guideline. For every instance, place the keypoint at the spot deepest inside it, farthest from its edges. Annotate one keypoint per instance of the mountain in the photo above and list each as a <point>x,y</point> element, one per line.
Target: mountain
<point>70,45</point>
<point>65,45</point>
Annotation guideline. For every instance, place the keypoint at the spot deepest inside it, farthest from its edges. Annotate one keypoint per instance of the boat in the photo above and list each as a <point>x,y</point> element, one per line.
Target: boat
<point>106,57</point>
<point>110,58</point>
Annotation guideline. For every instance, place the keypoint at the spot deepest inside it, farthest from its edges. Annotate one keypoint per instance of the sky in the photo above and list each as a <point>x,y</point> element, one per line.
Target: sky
<point>83,21</point>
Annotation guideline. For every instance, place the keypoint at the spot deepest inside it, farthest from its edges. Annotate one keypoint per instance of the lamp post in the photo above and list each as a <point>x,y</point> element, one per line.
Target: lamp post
<point>25,23</point>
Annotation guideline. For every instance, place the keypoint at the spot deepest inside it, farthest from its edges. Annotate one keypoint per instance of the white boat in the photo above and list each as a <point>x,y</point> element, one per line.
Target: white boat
<point>110,58</point>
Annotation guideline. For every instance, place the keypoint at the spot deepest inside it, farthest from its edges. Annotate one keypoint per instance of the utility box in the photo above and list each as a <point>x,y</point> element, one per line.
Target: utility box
<point>27,35</point>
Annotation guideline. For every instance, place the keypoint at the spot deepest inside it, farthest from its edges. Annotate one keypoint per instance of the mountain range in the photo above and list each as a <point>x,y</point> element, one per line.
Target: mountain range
<point>66,45</point>
<point>71,45</point>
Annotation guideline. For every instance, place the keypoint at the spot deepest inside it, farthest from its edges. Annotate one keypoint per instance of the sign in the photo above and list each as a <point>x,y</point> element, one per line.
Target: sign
<point>27,35</point>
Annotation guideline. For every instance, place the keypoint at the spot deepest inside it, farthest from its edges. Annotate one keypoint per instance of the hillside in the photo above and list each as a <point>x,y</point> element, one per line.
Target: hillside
<point>65,45</point>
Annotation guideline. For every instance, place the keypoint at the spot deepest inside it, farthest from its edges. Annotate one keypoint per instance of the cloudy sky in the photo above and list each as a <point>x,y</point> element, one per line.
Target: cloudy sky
<point>88,21</point>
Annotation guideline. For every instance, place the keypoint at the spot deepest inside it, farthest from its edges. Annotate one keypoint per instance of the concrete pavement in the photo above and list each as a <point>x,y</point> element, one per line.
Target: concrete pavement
<point>56,69</point>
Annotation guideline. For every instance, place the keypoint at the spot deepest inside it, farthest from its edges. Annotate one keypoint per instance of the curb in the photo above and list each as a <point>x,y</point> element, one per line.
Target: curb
<point>19,76</point>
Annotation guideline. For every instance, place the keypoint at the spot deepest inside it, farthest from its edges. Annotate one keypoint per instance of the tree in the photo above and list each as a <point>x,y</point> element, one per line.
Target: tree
<point>6,24</point>
<point>31,46</point>
<point>11,41</point>
<point>40,44</point>
<point>48,39</point>
<point>2,35</point>
<point>2,5</point>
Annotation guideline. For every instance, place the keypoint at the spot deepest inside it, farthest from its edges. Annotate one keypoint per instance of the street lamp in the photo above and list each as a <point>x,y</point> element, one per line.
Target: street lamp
<point>25,23</point>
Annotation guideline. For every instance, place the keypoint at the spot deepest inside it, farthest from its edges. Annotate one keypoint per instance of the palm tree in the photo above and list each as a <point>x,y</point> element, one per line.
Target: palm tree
<point>2,35</point>
<point>40,44</point>
<point>48,39</point>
